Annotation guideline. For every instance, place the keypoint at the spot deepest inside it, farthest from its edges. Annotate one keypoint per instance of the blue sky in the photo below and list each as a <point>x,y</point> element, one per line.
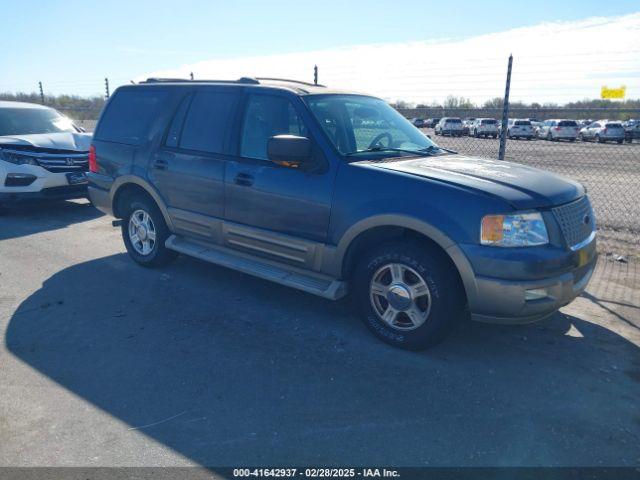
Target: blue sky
<point>70,45</point>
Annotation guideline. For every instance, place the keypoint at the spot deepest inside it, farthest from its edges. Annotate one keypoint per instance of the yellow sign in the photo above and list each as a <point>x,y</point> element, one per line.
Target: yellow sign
<point>606,92</point>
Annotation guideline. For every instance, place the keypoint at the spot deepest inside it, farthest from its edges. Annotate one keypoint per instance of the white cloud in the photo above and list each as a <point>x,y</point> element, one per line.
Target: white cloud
<point>553,62</point>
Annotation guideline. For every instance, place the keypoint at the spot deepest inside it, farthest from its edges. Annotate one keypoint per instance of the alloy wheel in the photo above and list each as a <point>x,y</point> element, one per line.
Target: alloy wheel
<point>142,232</point>
<point>400,296</point>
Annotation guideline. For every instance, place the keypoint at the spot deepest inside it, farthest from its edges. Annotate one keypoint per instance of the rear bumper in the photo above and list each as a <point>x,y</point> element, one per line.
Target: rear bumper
<point>534,288</point>
<point>100,199</point>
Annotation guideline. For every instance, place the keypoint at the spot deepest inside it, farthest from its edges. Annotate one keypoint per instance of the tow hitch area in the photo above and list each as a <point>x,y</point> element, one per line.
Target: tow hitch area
<point>117,222</point>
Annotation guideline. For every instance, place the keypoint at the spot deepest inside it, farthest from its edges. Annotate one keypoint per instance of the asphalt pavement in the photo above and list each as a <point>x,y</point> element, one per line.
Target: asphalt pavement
<point>105,363</point>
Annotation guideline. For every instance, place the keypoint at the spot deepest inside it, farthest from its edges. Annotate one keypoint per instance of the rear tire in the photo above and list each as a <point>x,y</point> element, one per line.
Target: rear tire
<point>619,142</point>
<point>144,232</point>
<point>598,139</point>
<point>414,288</point>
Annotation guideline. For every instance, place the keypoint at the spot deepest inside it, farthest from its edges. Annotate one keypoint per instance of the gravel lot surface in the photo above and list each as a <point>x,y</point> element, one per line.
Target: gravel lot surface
<point>105,363</point>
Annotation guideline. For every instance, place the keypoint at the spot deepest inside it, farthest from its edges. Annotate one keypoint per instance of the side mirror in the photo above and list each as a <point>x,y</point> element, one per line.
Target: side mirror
<point>289,150</point>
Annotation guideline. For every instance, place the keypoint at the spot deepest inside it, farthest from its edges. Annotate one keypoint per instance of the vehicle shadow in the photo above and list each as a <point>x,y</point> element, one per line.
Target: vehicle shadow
<point>227,369</point>
<point>35,217</point>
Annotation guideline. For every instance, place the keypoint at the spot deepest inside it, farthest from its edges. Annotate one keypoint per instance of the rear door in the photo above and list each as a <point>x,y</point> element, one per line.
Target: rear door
<point>188,169</point>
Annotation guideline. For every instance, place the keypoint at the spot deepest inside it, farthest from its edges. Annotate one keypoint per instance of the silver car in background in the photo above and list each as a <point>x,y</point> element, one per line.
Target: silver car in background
<point>484,127</point>
<point>560,129</point>
<point>449,126</point>
<point>602,131</point>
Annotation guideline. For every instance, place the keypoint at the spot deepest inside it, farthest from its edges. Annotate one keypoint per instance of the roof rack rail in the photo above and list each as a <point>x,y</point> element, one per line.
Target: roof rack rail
<point>288,80</point>
<point>248,80</point>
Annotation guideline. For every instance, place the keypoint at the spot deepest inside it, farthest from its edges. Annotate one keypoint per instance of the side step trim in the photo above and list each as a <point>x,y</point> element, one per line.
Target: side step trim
<point>311,282</point>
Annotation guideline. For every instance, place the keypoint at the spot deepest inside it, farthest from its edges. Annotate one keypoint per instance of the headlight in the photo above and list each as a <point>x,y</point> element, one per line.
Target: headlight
<point>515,230</point>
<point>16,158</point>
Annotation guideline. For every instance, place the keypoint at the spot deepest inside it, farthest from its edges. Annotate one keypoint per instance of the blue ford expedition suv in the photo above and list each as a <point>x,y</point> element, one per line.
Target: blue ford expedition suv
<point>333,193</point>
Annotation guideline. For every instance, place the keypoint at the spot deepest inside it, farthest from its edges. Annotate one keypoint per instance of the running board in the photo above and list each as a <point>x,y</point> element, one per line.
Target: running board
<point>311,282</point>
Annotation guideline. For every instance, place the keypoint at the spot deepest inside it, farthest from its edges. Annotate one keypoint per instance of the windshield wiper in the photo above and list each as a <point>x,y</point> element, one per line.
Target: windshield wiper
<point>423,151</point>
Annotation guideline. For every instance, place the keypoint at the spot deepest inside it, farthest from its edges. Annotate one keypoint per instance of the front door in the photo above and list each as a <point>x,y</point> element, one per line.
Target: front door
<point>272,210</point>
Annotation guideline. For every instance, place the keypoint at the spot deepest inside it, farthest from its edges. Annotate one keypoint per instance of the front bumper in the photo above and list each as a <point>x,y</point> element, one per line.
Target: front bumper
<point>555,276</point>
<point>64,192</point>
<point>43,184</point>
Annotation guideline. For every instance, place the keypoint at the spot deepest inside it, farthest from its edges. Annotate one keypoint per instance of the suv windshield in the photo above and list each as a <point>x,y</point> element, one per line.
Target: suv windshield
<point>26,121</point>
<point>358,125</point>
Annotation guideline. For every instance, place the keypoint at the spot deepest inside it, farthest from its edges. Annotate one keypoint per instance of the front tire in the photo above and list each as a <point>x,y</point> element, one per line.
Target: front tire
<point>408,294</point>
<point>144,232</point>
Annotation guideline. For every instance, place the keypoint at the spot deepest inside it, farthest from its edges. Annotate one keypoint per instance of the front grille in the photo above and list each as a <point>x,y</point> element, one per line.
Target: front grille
<point>63,161</point>
<point>576,220</point>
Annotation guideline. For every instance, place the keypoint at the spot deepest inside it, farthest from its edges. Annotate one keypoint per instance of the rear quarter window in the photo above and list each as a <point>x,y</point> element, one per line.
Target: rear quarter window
<point>129,115</point>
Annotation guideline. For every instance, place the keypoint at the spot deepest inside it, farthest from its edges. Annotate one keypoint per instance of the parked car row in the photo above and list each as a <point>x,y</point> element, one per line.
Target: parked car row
<point>600,131</point>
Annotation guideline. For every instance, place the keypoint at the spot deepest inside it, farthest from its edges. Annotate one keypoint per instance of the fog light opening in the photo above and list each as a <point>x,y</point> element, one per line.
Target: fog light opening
<point>535,294</point>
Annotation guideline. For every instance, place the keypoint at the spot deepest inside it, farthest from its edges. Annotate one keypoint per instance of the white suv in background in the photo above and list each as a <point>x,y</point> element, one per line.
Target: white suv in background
<point>43,155</point>
<point>519,128</point>
<point>449,126</point>
<point>559,130</point>
<point>484,127</point>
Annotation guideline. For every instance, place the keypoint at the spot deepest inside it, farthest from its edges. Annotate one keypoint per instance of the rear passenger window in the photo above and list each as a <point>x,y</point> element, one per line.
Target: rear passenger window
<point>129,116</point>
<point>208,122</point>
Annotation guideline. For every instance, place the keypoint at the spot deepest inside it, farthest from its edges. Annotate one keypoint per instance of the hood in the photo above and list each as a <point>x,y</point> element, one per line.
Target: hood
<point>522,186</point>
<point>78,142</point>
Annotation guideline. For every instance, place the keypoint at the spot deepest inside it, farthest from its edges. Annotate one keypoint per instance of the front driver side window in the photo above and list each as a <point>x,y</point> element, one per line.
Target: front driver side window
<point>266,116</point>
